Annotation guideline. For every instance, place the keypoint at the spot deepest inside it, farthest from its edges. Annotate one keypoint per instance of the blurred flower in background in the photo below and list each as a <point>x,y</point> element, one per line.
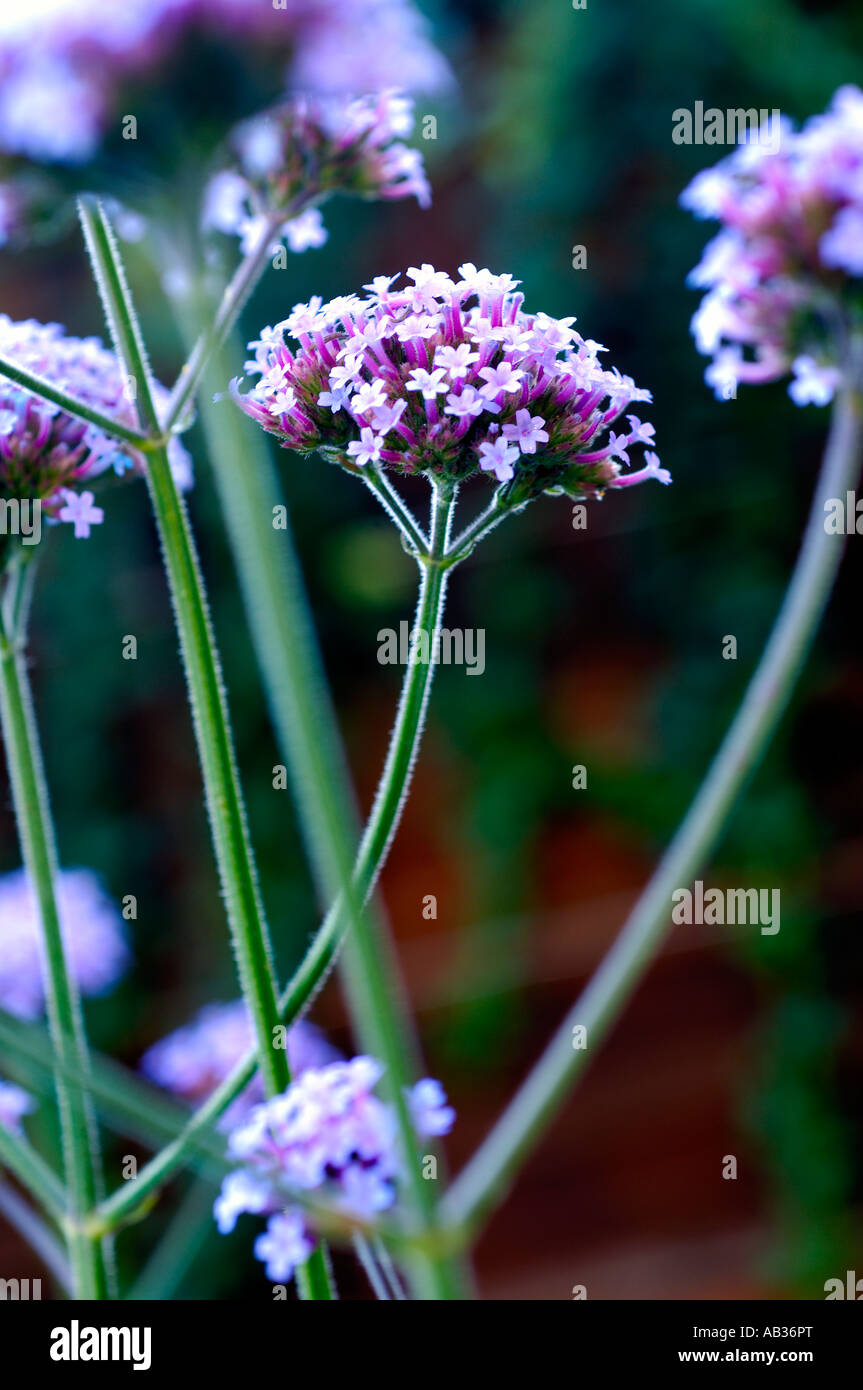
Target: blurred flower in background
<point>46,453</point>
<point>77,80</point>
<point>784,275</point>
<point>63,62</point>
<point>15,1103</point>
<point>94,938</point>
<point>193,1060</point>
<point>305,150</point>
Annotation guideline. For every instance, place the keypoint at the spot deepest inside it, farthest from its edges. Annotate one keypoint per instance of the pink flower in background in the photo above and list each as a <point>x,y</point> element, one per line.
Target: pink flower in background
<point>784,275</point>
<point>193,1060</point>
<point>63,62</point>
<point>303,152</point>
<point>94,937</point>
<point>44,452</point>
<point>451,378</point>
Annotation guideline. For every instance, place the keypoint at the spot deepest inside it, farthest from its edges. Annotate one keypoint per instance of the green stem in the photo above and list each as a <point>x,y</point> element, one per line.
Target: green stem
<point>370,969</point>
<point>477,530</point>
<point>372,1271</point>
<point>231,842</point>
<point>31,1170</point>
<point>32,1228</point>
<point>242,283</point>
<point>388,1268</point>
<point>374,845</point>
<point>128,1104</point>
<point>215,749</point>
<point>400,514</point>
<point>189,1229</point>
<point>485,1179</point>
<point>42,388</point>
<point>81,1162</point>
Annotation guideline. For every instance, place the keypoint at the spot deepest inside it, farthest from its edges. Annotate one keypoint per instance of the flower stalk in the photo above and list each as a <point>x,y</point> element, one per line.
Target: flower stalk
<point>227,817</point>
<point>88,1256</point>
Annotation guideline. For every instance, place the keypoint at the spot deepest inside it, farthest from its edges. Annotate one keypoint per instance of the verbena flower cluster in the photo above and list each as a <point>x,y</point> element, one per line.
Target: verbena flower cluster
<point>329,1134</point>
<point>94,938</point>
<point>63,62</point>
<point>305,150</point>
<point>450,379</point>
<point>195,1059</point>
<point>46,454</point>
<point>784,277</point>
<point>15,1103</point>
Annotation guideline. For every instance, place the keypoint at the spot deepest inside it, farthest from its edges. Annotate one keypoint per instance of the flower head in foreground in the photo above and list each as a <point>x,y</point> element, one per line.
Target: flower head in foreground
<point>47,455</point>
<point>329,1134</point>
<point>450,379</point>
<point>14,1105</point>
<point>93,935</point>
<point>306,150</point>
<point>195,1059</point>
<point>784,276</point>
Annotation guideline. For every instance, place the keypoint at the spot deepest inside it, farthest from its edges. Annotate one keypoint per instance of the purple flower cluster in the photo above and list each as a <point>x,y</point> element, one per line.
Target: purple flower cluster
<point>450,379</point>
<point>45,453</point>
<point>305,150</point>
<point>62,62</point>
<point>783,276</point>
<point>14,1105</point>
<point>93,936</point>
<point>329,1134</point>
<point>195,1059</point>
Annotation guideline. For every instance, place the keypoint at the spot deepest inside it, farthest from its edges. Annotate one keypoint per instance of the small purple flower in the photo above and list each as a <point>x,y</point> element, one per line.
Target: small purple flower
<point>93,931</point>
<point>431,384</point>
<point>468,404</point>
<point>367,449</point>
<point>527,431</point>
<point>14,1105</point>
<point>283,1246</point>
<point>306,231</point>
<point>79,510</point>
<point>503,377</point>
<point>457,361</point>
<point>498,457</point>
<point>370,396</point>
<point>327,1133</point>
<point>813,384</point>
<point>429,1108</point>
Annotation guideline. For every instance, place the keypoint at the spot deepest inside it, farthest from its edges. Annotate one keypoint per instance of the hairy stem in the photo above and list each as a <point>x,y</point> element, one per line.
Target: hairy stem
<point>371,972</point>
<point>31,1170</point>
<point>213,734</point>
<point>297,995</point>
<point>47,392</point>
<point>242,283</point>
